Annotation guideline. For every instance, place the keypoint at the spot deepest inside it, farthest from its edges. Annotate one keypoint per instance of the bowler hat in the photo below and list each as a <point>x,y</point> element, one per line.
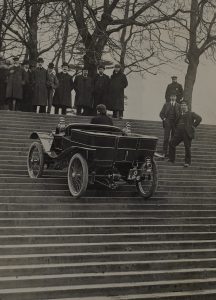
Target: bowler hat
<point>117,66</point>
<point>101,67</point>
<point>51,65</point>
<point>15,58</point>
<point>40,60</point>
<point>25,62</point>
<point>64,64</point>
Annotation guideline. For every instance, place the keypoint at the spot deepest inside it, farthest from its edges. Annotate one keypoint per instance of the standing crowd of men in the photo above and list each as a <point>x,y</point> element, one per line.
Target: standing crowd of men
<point>178,122</point>
<point>26,87</point>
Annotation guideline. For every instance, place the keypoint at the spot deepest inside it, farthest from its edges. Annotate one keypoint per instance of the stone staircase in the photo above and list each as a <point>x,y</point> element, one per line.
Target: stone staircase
<point>108,244</point>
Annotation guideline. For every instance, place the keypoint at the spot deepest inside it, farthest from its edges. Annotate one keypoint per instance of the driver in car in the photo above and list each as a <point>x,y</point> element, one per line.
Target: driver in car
<point>101,117</point>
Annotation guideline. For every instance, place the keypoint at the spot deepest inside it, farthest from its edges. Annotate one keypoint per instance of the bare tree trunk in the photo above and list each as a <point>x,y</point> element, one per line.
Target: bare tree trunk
<point>190,79</point>
<point>33,41</point>
<point>2,18</point>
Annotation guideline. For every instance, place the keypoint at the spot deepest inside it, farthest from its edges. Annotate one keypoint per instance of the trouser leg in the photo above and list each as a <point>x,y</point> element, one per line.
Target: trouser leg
<point>64,110</point>
<point>42,109</point>
<point>50,100</point>
<point>56,111</point>
<point>17,105</point>
<point>34,108</point>
<point>175,141</point>
<point>78,110</point>
<point>167,129</point>
<point>187,145</point>
<point>115,113</point>
<point>121,112</point>
<point>10,104</point>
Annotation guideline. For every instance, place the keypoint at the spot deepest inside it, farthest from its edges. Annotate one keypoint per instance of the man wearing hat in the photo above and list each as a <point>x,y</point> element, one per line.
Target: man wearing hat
<point>176,88</point>
<point>39,82</point>
<point>101,86</point>
<point>101,117</point>
<point>52,84</point>
<point>185,132</point>
<point>15,82</point>
<point>27,89</point>
<point>62,96</point>
<point>83,86</point>
<point>118,82</point>
<point>169,114</point>
<point>3,81</point>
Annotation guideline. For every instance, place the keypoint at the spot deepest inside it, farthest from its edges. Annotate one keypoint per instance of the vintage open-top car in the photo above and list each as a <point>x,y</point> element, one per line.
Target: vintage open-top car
<point>96,154</point>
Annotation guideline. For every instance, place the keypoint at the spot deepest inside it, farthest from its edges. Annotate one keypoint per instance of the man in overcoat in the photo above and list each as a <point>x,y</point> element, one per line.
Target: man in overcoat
<point>39,81</point>
<point>101,87</point>
<point>169,115</point>
<point>185,131</point>
<point>62,96</point>
<point>15,82</point>
<point>118,82</point>
<point>3,82</point>
<point>84,86</point>
<point>27,88</point>
<point>176,88</point>
<point>52,84</point>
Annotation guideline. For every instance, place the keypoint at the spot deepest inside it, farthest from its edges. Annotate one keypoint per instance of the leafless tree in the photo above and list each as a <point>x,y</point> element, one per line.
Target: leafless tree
<point>194,35</point>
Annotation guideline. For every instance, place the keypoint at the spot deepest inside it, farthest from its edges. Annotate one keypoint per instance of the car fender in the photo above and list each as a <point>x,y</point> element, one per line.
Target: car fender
<point>46,139</point>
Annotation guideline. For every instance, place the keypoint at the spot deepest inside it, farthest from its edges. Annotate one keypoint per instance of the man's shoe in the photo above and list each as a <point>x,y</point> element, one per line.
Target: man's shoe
<point>186,165</point>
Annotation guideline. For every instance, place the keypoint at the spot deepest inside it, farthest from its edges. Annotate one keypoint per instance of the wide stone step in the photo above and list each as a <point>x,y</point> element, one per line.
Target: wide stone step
<point>113,289</point>
<point>104,267</point>
<point>105,247</point>
<point>102,278</point>
<point>61,183</point>
<point>104,229</point>
<point>58,221</point>
<point>68,203</point>
<point>98,238</point>
<point>31,259</point>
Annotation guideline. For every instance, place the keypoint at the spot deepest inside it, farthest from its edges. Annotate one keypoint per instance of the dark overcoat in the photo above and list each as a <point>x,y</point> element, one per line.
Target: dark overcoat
<point>39,82</point>
<point>3,84</point>
<point>27,92</point>
<point>84,91</point>
<point>118,82</point>
<point>101,89</point>
<point>15,83</point>
<point>174,88</point>
<point>191,121</point>
<point>62,95</point>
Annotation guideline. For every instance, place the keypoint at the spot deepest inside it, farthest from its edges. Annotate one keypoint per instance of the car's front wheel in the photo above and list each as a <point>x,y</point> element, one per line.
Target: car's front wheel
<point>147,185</point>
<point>77,175</point>
<point>35,160</point>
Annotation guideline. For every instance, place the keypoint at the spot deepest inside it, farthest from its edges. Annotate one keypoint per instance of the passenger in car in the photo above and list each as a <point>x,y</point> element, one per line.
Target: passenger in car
<point>101,117</point>
<point>61,126</point>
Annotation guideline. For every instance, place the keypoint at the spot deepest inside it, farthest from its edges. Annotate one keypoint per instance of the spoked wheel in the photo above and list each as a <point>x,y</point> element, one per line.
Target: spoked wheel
<point>35,160</point>
<point>148,184</point>
<point>77,175</point>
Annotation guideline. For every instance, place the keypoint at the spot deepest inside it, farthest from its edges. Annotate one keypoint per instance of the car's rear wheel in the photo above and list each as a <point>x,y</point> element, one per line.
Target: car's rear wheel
<point>35,160</point>
<point>77,175</point>
<point>147,185</point>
